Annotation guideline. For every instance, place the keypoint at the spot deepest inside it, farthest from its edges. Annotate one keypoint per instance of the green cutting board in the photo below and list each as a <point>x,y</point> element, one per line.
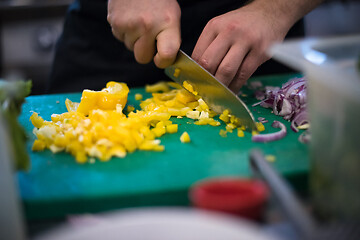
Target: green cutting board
<point>57,186</point>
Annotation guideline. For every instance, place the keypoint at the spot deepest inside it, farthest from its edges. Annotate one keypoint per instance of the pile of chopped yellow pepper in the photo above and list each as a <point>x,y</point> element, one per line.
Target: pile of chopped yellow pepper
<point>97,127</point>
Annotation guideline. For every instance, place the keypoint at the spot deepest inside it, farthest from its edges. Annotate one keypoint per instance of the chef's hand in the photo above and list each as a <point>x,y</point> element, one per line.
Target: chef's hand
<point>233,45</point>
<point>150,28</point>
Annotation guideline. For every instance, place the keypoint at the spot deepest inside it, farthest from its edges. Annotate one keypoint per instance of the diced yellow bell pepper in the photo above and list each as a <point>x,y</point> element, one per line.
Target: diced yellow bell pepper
<point>172,128</point>
<point>138,96</point>
<point>157,87</point>
<point>106,99</point>
<point>193,114</point>
<point>184,96</point>
<point>36,120</point>
<point>259,126</point>
<point>225,116</point>
<point>38,145</point>
<point>159,131</point>
<point>174,85</point>
<point>98,128</point>
<point>185,138</point>
<point>80,157</point>
<point>230,127</point>
<point>240,133</point>
<point>71,106</point>
<point>189,87</point>
<point>203,106</point>
<point>270,158</point>
<point>223,133</point>
<point>176,72</point>
<point>130,108</point>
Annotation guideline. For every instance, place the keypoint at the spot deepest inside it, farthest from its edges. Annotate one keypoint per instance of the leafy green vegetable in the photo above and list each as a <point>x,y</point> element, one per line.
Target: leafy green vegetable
<point>12,96</point>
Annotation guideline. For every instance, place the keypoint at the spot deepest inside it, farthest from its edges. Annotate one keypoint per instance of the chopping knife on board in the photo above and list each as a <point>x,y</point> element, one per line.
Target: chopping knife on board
<point>215,94</point>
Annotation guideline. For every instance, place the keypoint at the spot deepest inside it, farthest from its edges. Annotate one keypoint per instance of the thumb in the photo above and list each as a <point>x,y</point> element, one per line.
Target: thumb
<point>168,45</point>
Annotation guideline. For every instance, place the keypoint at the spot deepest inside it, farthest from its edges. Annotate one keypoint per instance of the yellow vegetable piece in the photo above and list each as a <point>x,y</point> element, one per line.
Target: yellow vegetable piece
<point>193,105</point>
<point>174,85</point>
<point>207,121</point>
<point>230,127</point>
<point>159,131</point>
<point>240,132</point>
<point>235,120</point>
<point>36,120</point>
<point>130,108</point>
<point>60,140</point>
<point>270,158</point>
<point>184,96</point>
<point>189,87</point>
<point>185,138</point>
<point>176,72</point>
<point>71,106</point>
<point>223,133</point>
<point>260,127</point>
<point>172,128</point>
<point>225,116</point>
<point>151,145</point>
<point>80,157</point>
<point>106,99</point>
<point>38,145</point>
<point>138,96</point>
<point>193,114</point>
<point>157,87</point>
<point>203,106</point>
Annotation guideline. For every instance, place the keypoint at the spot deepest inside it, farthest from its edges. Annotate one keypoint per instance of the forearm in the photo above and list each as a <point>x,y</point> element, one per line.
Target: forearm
<point>285,12</point>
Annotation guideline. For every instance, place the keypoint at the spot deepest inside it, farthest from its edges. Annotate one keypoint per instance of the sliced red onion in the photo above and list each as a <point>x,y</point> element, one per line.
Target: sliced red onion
<point>271,136</point>
<point>294,88</point>
<point>305,137</point>
<point>266,103</point>
<point>259,95</point>
<point>255,104</point>
<point>300,119</point>
<point>262,120</point>
<point>255,85</point>
<point>286,108</point>
<point>289,101</point>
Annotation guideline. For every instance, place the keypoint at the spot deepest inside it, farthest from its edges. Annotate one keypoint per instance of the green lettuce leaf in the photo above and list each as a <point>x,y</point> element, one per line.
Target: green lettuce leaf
<point>12,96</point>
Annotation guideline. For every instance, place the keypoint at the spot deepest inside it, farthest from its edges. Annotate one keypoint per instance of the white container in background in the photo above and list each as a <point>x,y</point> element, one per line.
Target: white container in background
<point>331,67</point>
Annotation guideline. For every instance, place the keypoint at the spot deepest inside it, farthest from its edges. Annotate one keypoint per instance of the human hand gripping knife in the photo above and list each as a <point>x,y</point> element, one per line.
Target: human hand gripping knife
<point>215,94</point>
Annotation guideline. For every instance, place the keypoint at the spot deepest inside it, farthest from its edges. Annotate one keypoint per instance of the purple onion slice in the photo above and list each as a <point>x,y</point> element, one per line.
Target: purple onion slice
<point>271,136</point>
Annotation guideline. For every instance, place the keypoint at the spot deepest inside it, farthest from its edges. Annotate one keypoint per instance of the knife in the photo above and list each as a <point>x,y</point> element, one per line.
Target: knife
<point>215,94</point>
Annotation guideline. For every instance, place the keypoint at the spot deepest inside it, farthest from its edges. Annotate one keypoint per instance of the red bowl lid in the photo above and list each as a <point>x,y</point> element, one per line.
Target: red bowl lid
<point>240,196</point>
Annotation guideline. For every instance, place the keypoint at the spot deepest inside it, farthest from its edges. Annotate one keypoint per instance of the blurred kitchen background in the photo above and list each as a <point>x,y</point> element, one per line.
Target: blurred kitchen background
<point>29,30</point>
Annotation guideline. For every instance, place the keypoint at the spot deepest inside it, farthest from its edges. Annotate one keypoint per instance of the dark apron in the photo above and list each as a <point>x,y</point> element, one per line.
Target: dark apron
<point>87,54</point>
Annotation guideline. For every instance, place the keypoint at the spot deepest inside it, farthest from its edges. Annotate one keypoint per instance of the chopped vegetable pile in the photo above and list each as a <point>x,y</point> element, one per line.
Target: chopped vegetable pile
<point>289,101</point>
<point>97,127</point>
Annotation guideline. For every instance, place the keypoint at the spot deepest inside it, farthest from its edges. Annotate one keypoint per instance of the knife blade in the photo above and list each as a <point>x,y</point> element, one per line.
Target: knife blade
<point>214,93</point>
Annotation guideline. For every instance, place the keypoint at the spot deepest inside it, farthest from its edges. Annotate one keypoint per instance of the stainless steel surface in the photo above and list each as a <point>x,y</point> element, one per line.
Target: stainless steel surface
<point>209,88</point>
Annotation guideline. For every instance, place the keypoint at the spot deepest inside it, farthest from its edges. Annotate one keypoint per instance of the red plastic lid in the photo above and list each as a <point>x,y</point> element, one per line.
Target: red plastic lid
<point>240,196</point>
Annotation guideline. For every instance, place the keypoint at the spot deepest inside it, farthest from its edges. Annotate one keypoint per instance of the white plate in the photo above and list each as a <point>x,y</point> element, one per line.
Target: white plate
<point>160,224</point>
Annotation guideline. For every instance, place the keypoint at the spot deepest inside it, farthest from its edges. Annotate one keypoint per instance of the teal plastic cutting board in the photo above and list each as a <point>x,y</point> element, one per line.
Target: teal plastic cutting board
<point>57,186</point>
